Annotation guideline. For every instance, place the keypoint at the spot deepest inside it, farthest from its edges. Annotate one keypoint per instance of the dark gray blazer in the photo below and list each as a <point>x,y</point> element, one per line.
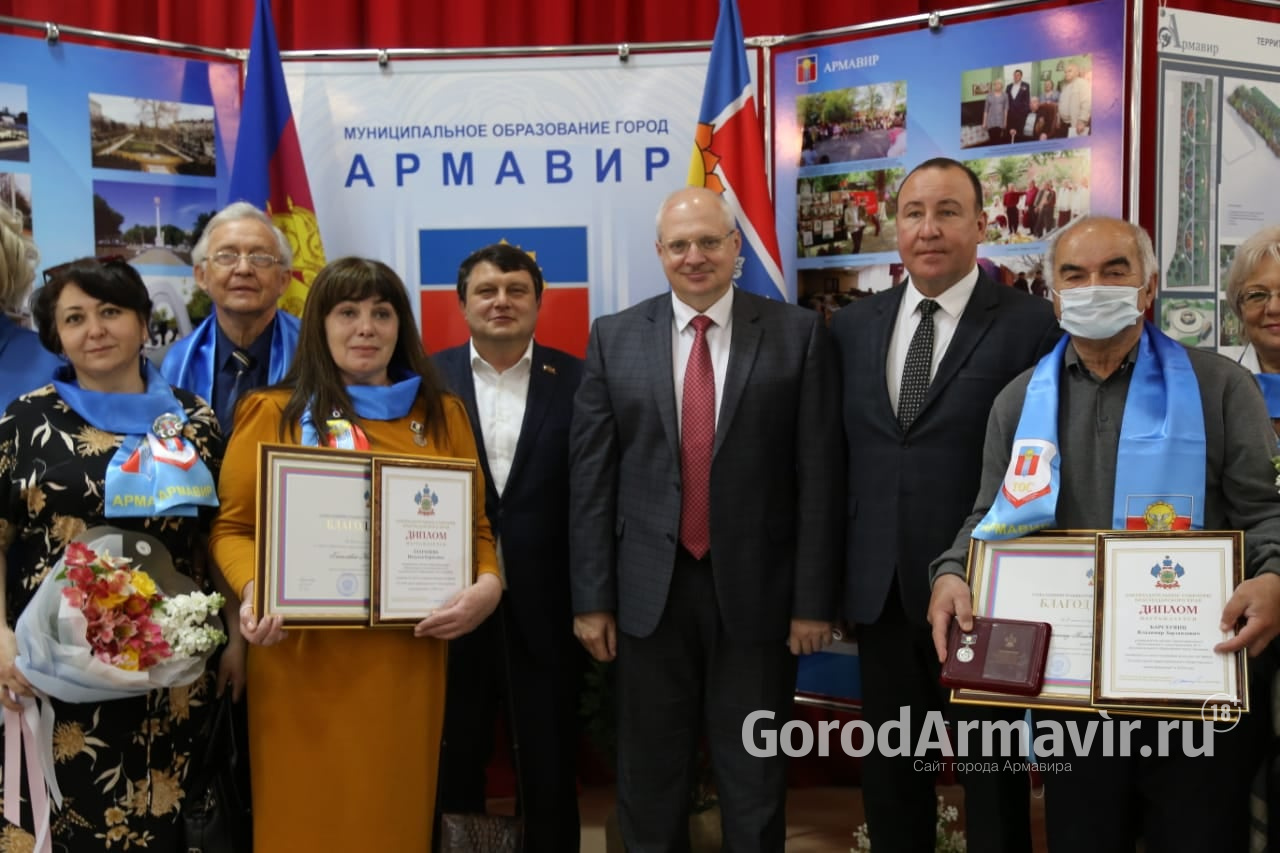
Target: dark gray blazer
<point>776,476</point>
<point>910,493</point>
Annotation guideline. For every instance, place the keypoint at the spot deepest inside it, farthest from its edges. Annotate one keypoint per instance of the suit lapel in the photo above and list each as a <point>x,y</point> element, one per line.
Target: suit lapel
<point>743,347</point>
<point>542,379</point>
<point>657,352</point>
<point>973,324</point>
<point>880,353</point>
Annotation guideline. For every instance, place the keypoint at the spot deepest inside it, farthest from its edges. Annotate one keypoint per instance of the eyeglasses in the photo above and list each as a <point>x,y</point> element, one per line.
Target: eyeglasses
<point>54,271</point>
<point>1256,300</point>
<point>228,258</point>
<point>678,248</point>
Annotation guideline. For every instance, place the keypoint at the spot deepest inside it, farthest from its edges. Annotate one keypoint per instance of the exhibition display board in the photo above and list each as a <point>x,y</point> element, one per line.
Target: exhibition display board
<point>118,152</point>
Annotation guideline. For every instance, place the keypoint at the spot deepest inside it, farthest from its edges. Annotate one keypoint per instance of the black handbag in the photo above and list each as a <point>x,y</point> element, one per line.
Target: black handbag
<point>480,833</point>
<point>217,814</point>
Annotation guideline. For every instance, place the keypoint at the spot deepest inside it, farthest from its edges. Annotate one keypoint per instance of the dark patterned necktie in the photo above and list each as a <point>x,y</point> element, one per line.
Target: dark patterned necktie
<point>244,364</point>
<point>915,371</point>
<point>697,438</point>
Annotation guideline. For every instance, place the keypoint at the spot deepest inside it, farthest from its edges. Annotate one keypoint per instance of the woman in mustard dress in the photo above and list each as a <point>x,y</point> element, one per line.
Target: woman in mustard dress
<point>344,725</point>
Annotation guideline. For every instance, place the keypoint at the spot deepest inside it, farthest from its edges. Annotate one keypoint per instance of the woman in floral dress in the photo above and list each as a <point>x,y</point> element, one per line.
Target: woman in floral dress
<point>121,765</point>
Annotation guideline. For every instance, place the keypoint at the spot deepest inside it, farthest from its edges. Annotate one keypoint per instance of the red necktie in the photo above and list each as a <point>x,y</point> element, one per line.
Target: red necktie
<point>697,438</point>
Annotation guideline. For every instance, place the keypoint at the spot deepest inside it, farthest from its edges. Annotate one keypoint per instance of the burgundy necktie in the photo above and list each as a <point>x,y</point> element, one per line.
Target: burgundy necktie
<point>697,437</point>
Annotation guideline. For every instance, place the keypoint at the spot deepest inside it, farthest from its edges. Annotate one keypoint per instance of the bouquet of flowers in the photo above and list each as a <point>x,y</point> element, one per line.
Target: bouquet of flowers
<point>103,627</point>
<point>129,623</point>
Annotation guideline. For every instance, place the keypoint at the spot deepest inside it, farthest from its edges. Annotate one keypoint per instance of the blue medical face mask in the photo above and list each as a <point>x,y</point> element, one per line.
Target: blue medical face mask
<point>1099,311</point>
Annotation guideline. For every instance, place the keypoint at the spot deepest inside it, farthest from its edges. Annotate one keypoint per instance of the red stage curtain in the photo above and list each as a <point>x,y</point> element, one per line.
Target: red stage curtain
<point>319,24</point>
<point>335,24</point>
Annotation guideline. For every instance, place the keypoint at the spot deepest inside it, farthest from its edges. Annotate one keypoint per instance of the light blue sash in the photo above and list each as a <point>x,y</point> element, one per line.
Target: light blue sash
<point>190,363</point>
<point>155,472</point>
<point>372,403</point>
<point>1160,460</point>
<point>1270,385</point>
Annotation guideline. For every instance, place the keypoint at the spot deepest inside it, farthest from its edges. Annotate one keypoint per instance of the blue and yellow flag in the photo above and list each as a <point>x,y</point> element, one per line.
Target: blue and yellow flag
<point>728,155</point>
<point>268,170</point>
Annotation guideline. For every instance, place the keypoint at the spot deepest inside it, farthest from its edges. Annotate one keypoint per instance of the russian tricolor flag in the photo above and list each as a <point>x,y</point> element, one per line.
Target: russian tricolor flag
<point>268,170</point>
<point>728,155</point>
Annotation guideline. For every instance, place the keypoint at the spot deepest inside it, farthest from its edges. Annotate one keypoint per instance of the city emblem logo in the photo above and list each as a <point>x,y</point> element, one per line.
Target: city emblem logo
<point>807,68</point>
<point>1160,516</point>
<point>1167,573</point>
<point>1030,473</point>
<point>426,500</point>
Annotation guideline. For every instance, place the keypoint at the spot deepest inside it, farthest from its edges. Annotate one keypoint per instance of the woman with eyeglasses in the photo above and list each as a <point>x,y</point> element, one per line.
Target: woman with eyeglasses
<point>345,725</point>
<point>1253,293</point>
<point>24,363</point>
<point>69,460</point>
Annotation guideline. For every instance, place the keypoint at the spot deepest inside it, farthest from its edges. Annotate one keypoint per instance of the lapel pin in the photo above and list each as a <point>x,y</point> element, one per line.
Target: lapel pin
<point>419,433</point>
<point>547,368</point>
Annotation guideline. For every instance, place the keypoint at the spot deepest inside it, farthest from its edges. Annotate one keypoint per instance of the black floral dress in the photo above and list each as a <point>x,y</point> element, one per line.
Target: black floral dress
<point>122,764</point>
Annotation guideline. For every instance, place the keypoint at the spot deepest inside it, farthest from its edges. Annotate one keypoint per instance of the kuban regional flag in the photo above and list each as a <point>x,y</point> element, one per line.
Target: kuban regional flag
<point>728,156</point>
<point>268,170</point>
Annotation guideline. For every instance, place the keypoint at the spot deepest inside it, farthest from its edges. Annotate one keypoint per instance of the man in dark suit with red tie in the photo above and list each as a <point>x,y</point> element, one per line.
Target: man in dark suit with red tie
<point>706,526</point>
<point>922,364</point>
<point>519,396</point>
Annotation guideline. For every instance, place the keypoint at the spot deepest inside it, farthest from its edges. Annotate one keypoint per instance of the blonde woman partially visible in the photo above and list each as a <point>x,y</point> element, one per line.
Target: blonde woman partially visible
<point>1253,293</point>
<point>24,363</point>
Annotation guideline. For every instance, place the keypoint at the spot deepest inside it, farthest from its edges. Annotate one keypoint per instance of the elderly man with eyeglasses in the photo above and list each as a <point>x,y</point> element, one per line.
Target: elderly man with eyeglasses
<point>242,261</point>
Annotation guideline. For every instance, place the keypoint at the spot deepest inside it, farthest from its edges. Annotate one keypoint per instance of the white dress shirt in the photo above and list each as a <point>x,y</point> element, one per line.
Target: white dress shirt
<point>500,403</point>
<point>683,335</point>
<point>951,305</point>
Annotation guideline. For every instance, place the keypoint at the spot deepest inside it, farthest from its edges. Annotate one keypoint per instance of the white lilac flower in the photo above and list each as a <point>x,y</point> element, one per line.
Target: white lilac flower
<point>182,620</point>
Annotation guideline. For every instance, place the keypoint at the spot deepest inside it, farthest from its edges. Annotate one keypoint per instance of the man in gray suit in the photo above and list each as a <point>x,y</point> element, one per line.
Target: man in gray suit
<point>706,526</point>
<point>922,364</point>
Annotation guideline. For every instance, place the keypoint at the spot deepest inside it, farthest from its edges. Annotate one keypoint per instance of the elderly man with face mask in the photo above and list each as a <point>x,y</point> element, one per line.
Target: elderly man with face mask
<point>1137,422</point>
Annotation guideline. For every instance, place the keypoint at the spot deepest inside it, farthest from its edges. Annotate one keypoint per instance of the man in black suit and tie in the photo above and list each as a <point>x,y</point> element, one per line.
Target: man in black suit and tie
<point>706,526</point>
<point>922,364</point>
<point>1019,95</point>
<point>519,395</point>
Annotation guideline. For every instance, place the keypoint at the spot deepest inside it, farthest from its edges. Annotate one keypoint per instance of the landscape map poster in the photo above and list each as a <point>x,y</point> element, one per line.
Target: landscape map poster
<point>1218,156</point>
<point>118,153</point>
<point>1032,102</point>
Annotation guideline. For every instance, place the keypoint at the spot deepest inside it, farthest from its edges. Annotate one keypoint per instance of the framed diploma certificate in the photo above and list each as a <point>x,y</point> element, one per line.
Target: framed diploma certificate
<point>1159,606</point>
<point>423,535</point>
<point>1041,578</point>
<point>313,536</point>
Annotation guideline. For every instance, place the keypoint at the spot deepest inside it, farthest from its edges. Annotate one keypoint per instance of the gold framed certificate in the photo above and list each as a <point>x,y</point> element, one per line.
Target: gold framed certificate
<point>1040,578</point>
<point>313,536</point>
<point>423,536</point>
<point>1159,604</point>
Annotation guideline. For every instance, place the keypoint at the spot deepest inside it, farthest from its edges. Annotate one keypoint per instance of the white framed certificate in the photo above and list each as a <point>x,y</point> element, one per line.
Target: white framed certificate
<point>1045,577</point>
<point>1157,618</point>
<point>423,535</point>
<point>313,536</point>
